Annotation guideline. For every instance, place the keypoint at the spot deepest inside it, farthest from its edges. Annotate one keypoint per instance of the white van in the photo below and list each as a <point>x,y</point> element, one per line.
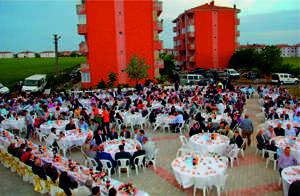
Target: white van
<point>232,73</point>
<point>190,79</point>
<point>34,84</point>
<point>284,78</point>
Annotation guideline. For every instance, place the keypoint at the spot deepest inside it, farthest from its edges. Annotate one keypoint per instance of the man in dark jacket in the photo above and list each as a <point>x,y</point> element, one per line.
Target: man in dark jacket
<point>123,155</point>
<point>39,170</point>
<point>112,135</point>
<point>137,153</point>
<point>279,131</point>
<point>238,140</point>
<point>261,140</point>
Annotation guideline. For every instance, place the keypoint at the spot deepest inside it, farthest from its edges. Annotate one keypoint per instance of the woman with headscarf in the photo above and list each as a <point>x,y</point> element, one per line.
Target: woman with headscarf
<point>65,183</point>
<point>195,129</point>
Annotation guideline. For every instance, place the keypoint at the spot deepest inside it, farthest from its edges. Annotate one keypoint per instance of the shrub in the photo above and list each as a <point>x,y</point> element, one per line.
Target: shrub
<point>101,84</point>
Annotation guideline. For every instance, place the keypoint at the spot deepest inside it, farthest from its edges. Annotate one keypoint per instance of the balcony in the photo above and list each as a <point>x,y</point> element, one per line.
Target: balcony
<point>192,59</point>
<point>159,63</point>
<point>158,44</point>
<point>181,47</point>
<point>237,33</point>
<point>84,67</point>
<point>83,47</point>
<point>237,21</point>
<point>191,34</point>
<point>82,29</point>
<point>80,9</point>
<point>158,25</point>
<point>157,6</point>
<point>174,29</point>
<point>191,46</point>
<point>175,39</point>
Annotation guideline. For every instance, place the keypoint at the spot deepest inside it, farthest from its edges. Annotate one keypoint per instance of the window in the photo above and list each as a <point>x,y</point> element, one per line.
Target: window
<point>85,77</point>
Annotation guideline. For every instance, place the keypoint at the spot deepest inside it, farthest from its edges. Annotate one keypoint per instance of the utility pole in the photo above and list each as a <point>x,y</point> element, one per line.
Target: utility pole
<point>56,38</point>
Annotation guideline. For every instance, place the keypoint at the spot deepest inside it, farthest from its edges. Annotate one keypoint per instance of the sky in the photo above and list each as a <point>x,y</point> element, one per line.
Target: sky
<point>29,25</point>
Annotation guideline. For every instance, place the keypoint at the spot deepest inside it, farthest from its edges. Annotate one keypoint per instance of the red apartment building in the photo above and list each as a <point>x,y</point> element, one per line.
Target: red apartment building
<point>206,36</point>
<point>114,31</point>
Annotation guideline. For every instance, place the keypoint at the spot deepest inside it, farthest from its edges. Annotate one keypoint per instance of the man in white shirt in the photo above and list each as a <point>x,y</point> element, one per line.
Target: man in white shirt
<point>52,139</point>
<point>149,147</point>
<point>290,131</point>
<point>178,119</point>
<point>220,107</point>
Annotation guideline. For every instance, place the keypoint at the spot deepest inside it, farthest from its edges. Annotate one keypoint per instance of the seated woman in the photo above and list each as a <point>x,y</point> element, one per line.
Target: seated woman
<point>210,128</point>
<point>195,129</point>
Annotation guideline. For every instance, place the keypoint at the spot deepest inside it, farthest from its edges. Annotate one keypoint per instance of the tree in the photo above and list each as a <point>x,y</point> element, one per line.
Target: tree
<point>37,55</point>
<point>101,84</point>
<point>112,79</point>
<point>137,69</point>
<point>73,54</point>
<point>244,59</point>
<point>169,63</point>
<point>271,58</point>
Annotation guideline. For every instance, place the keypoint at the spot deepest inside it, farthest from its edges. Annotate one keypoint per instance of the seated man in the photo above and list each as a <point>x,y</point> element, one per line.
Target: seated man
<point>91,153</point>
<point>125,134</point>
<point>286,159</point>
<point>112,134</point>
<point>210,128</point>
<point>273,115</point>
<point>11,149</point>
<point>123,155</point>
<point>178,120</point>
<point>25,156</point>
<point>30,161</point>
<point>83,125</point>
<point>39,170</point>
<point>71,125</point>
<point>290,131</point>
<point>269,134</point>
<point>106,156</point>
<point>20,150</point>
<point>136,135</point>
<point>237,139</point>
<point>149,147</point>
<point>228,132</point>
<point>279,131</point>
<point>284,116</point>
<point>142,135</point>
<point>137,153</point>
<point>52,139</point>
<point>261,140</point>
<point>99,137</point>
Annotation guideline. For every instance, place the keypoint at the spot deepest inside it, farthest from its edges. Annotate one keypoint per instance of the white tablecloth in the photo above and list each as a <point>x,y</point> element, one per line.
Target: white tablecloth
<point>289,175</point>
<point>112,146</point>
<point>208,170</point>
<point>283,123</point>
<point>46,126</point>
<point>281,142</point>
<point>74,138</point>
<point>63,165</point>
<point>202,142</point>
<point>13,124</point>
<point>131,118</point>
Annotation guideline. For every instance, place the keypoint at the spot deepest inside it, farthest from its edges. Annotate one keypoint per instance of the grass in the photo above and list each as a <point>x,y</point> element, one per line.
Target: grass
<point>292,60</point>
<point>12,70</point>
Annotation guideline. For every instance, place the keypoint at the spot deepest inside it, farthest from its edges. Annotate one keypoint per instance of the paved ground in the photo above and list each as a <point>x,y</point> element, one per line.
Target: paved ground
<point>249,178</point>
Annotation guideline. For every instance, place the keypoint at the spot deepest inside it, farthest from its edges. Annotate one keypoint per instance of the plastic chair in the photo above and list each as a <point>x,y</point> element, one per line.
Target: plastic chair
<point>92,163</point>
<point>154,159</point>
<point>139,164</point>
<point>165,125</point>
<point>220,183</point>
<point>241,149</point>
<point>184,142</point>
<point>119,123</point>
<point>81,191</point>
<point>200,184</point>
<point>233,155</point>
<point>123,164</point>
<point>271,158</point>
<point>106,165</point>
<point>182,151</point>
<point>224,160</point>
<point>85,157</point>
<point>39,185</point>
<point>180,127</point>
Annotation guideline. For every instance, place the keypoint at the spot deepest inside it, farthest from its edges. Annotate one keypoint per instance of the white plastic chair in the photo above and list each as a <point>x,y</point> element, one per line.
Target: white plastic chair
<point>241,149</point>
<point>220,183</point>
<point>165,125</point>
<point>123,164</point>
<point>182,151</point>
<point>224,160</point>
<point>139,164</point>
<point>119,123</point>
<point>233,155</point>
<point>81,191</point>
<point>92,163</point>
<point>184,141</point>
<point>154,159</point>
<point>44,189</point>
<point>180,127</point>
<point>271,158</point>
<point>200,184</point>
<point>105,166</point>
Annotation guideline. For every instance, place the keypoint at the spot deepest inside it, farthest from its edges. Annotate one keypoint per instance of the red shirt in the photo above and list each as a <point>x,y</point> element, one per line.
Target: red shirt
<point>105,116</point>
<point>25,157</point>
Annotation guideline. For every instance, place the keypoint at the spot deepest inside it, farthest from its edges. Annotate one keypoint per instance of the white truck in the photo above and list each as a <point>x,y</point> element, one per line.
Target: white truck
<point>34,84</point>
<point>232,73</point>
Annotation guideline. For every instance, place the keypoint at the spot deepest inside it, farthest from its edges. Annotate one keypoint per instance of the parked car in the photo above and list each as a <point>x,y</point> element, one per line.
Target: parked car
<point>3,90</point>
<point>232,73</point>
<point>208,74</point>
<point>76,73</point>
<point>205,81</point>
<point>284,78</point>
<point>190,79</point>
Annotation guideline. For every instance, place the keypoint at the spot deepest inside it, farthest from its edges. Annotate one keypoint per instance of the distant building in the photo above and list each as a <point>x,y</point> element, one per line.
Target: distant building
<point>114,31</point>
<point>26,54</point>
<point>47,54</point>
<point>65,53</point>
<point>286,50</point>
<point>206,36</point>
<point>78,52</point>
<point>6,55</point>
